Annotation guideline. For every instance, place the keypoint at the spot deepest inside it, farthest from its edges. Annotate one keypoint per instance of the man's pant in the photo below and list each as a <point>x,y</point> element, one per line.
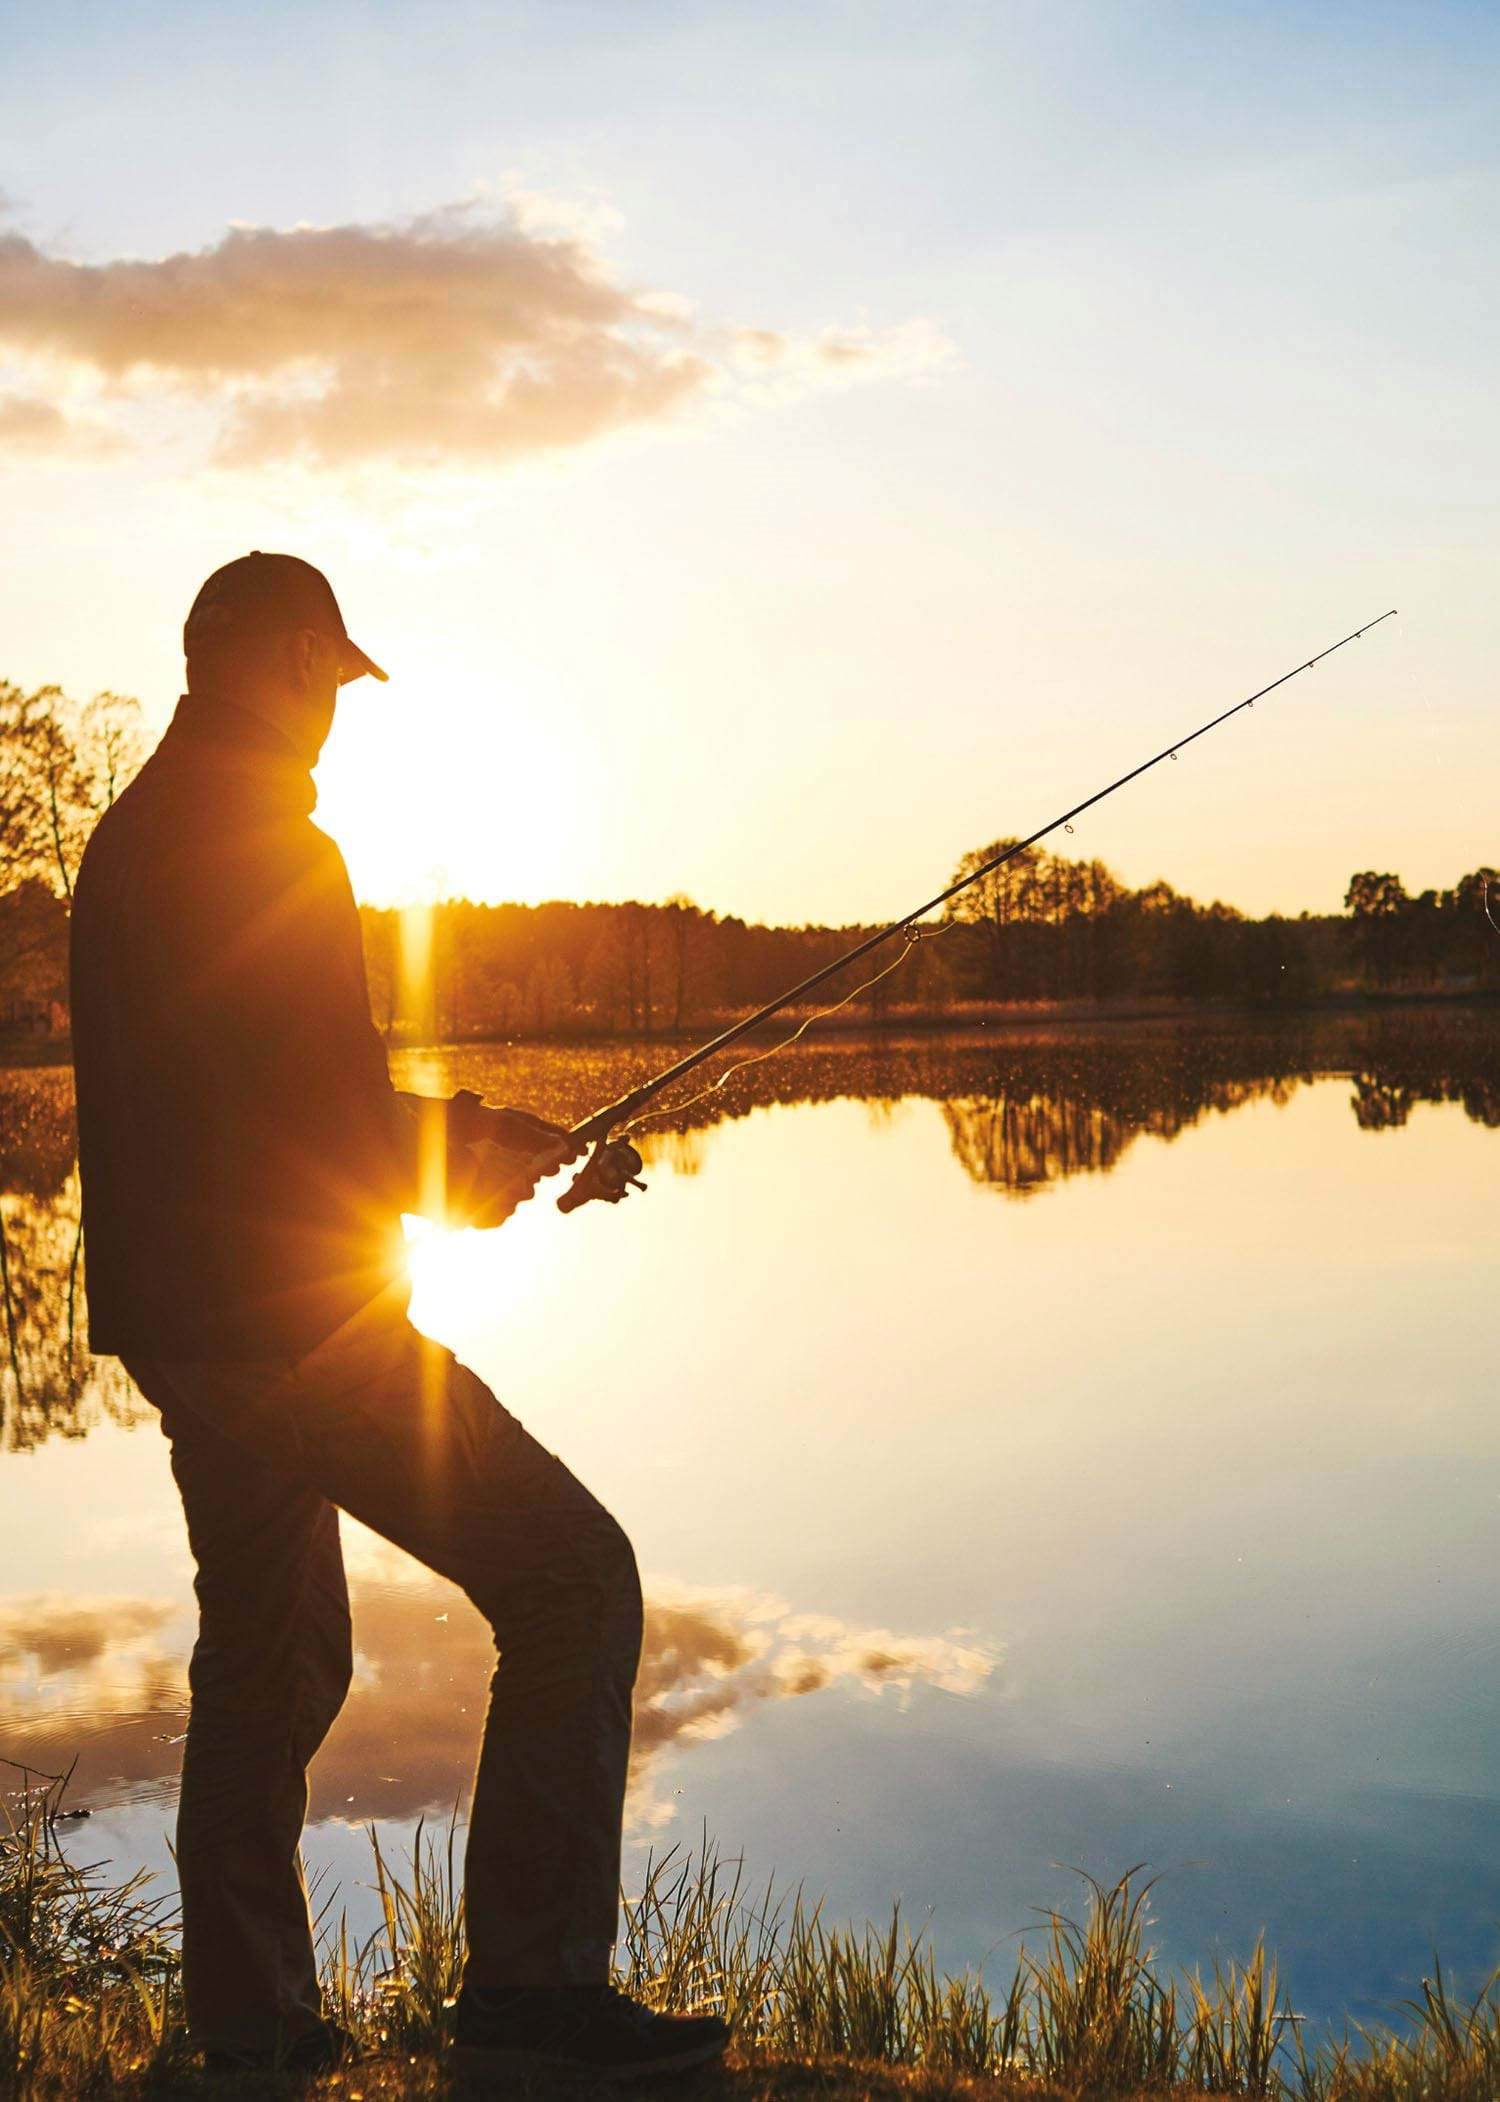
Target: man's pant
<point>390,1427</point>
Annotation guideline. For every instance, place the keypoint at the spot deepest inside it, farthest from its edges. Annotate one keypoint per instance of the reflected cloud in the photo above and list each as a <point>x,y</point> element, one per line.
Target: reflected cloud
<point>55,1637</point>
<point>104,1681</point>
<point>710,1658</point>
<point>99,1681</point>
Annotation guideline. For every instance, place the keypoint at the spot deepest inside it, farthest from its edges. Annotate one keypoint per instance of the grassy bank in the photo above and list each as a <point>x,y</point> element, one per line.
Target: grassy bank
<point>90,2002</point>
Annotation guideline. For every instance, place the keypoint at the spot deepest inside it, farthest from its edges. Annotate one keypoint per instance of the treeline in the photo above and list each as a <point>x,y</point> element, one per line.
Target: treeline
<point>456,970</point>
<point>1043,928</point>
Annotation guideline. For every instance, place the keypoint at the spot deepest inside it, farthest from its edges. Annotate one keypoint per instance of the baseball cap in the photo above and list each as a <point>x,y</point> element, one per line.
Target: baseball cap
<point>272,591</point>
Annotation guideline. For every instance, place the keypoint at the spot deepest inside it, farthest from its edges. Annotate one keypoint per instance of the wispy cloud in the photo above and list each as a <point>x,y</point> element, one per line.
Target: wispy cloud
<point>768,363</point>
<point>472,334</point>
<point>30,424</point>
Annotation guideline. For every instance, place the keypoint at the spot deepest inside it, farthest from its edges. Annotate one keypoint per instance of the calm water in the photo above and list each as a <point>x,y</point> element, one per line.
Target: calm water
<point>1071,1447</point>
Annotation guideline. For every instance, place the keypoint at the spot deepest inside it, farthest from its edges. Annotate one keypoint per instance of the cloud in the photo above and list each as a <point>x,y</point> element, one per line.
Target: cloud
<point>769,364</point>
<point>30,425</point>
<point>104,1680</point>
<point>450,336</point>
<point>472,334</point>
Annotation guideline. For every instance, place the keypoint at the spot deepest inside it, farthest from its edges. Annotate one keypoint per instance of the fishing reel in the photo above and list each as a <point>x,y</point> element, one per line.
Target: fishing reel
<point>611,1172</point>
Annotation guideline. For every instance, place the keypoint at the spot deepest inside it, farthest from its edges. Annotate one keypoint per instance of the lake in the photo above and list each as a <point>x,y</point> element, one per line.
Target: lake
<point>1058,1447</point>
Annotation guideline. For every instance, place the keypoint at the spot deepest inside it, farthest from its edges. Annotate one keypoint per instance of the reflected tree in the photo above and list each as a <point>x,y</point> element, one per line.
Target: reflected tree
<point>1021,1143</point>
<point>1380,1105</point>
<point>50,1384</point>
<point>1026,1132</point>
<point>1024,1108</point>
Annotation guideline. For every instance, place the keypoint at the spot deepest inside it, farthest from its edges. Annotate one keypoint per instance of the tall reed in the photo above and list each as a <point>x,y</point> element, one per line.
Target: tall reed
<point>88,1968</point>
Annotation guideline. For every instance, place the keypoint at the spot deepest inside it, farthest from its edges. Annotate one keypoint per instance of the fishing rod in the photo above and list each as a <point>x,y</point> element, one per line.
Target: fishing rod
<point>612,1169</point>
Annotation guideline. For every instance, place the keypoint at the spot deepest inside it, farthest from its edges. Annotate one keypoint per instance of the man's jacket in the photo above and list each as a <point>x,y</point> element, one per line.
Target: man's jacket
<point>244,1158</point>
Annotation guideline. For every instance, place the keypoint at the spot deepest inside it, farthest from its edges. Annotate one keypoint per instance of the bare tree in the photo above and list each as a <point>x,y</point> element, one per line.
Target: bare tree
<point>110,745</point>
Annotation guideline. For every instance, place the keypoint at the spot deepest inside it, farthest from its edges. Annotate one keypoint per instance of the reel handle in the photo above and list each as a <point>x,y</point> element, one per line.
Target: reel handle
<point>610,1173</point>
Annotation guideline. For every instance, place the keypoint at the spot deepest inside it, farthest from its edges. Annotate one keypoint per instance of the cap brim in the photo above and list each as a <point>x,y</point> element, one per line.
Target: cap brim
<point>354,664</point>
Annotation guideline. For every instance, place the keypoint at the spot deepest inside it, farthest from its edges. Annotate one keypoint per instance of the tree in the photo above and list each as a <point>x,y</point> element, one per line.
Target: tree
<point>1378,905</point>
<point>996,903</point>
<point>33,953</point>
<point>682,920</point>
<point>109,743</point>
<point>1371,896</point>
<point>61,766</point>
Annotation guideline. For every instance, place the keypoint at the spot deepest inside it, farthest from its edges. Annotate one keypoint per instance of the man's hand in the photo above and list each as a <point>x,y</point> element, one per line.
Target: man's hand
<point>513,1151</point>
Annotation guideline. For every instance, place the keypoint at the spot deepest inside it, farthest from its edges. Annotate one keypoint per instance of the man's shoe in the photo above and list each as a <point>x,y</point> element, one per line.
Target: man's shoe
<point>314,2051</point>
<point>320,2050</point>
<point>592,2028</point>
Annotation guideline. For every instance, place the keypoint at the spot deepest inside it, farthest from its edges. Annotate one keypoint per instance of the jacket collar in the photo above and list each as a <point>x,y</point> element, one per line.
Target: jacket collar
<point>246,744</point>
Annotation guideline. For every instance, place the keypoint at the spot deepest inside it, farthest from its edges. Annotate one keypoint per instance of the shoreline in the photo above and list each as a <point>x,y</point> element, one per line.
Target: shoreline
<point>973,1018</point>
<point>838,2011</point>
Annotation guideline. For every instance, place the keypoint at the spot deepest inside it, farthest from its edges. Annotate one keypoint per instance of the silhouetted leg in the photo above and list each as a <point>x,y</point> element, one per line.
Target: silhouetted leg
<point>399,1433</point>
<point>269,1673</point>
<point>392,1428</point>
<point>542,1873</point>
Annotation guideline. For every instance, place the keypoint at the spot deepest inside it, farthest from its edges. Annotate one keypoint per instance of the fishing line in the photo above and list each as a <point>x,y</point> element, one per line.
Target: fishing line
<point>914,935</point>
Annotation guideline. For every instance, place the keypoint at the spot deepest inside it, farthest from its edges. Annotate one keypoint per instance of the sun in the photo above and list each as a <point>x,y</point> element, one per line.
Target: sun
<point>439,797</point>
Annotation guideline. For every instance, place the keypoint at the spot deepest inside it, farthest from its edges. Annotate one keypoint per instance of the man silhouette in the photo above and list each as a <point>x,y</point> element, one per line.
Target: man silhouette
<point>245,1165</point>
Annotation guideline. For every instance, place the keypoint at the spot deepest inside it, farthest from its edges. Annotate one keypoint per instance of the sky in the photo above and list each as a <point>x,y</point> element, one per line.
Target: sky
<point>777,448</point>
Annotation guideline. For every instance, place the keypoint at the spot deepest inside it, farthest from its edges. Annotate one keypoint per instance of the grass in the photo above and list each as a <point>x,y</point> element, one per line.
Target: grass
<point>90,2003</point>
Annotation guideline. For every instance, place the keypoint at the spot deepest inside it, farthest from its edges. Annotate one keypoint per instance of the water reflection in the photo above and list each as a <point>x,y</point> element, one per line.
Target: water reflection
<point>50,1384</point>
<point>1020,1139</point>
<point>1383,1101</point>
<point>1207,1435</point>
<point>103,1681</point>
<point>1158,1077</point>
<point>1025,1109</point>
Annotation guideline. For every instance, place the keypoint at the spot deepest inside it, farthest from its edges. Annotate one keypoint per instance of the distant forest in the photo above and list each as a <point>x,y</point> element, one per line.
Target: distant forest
<point>1043,929</point>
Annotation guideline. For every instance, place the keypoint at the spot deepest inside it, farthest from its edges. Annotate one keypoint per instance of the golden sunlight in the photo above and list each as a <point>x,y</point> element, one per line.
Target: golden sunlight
<point>453,792</point>
<point>454,1270</point>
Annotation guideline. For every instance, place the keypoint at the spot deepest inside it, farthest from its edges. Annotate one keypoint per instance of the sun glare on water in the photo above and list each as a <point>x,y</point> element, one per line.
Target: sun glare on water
<point>454,1274</point>
<point>457,1280</point>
